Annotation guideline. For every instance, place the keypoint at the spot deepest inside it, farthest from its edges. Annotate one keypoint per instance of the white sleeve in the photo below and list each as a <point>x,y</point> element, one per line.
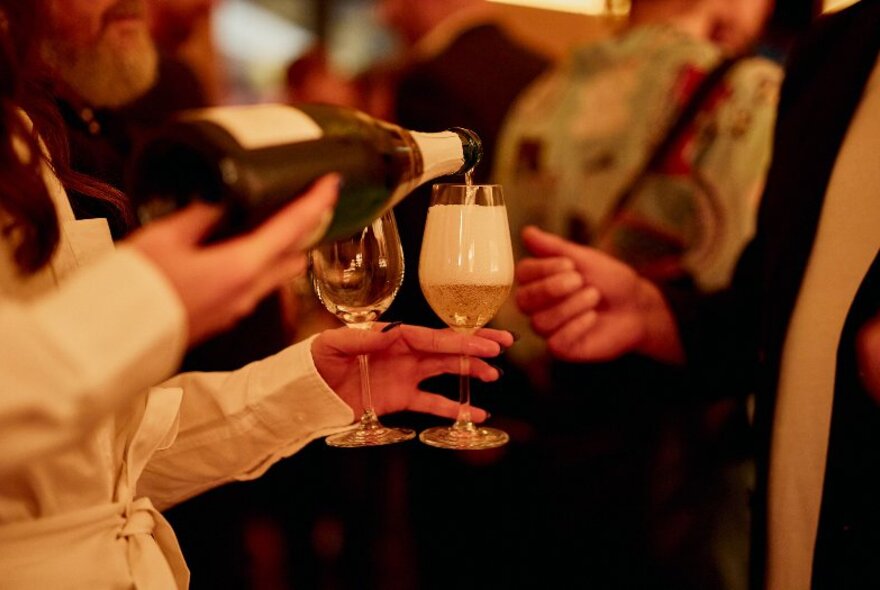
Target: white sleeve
<point>234,426</point>
<point>70,358</point>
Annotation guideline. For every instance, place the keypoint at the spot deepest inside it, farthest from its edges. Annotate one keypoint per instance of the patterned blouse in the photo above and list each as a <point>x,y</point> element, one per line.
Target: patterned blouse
<point>579,135</point>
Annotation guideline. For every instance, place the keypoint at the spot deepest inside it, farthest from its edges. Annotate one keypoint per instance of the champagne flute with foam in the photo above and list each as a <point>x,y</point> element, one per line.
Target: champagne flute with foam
<point>466,273</point>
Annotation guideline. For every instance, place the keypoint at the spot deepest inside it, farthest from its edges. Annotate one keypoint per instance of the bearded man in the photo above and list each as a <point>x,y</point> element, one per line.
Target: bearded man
<point>110,84</point>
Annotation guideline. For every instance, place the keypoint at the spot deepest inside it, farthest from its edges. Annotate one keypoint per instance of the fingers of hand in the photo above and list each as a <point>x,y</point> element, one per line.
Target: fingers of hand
<point>569,342</point>
<point>353,342</point>
<point>440,365</point>
<point>295,224</point>
<point>483,370</point>
<point>192,223</point>
<point>502,337</point>
<point>544,244</point>
<point>448,342</point>
<point>547,321</point>
<point>585,259</point>
<point>533,269</point>
<point>545,293</point>
<point>278,274</point>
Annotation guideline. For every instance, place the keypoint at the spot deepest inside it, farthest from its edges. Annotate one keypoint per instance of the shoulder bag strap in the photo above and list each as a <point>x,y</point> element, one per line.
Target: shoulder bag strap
<point>686,116</point>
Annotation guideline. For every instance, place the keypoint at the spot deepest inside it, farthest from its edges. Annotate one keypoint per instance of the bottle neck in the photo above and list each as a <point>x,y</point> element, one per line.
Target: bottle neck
<point>442,154</point>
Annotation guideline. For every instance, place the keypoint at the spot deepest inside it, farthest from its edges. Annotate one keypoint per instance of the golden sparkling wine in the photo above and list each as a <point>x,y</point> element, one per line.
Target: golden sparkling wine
<point>465,307</point>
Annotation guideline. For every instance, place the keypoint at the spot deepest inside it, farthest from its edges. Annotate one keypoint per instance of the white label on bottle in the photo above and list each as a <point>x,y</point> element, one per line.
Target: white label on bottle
<point>442,153</point>
<point>261,126</point>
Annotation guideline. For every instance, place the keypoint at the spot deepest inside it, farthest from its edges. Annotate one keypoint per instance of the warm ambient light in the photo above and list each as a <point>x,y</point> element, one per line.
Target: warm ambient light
<point>832,5</point>
<point>578,6</point>
<point>622,6</point>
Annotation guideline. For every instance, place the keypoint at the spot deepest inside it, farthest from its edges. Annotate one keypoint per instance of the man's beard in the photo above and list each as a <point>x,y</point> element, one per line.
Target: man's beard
<point>104,75</point>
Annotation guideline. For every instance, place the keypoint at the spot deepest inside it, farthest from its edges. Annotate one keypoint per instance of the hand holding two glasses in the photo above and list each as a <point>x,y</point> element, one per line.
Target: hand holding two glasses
<point>465,272</point>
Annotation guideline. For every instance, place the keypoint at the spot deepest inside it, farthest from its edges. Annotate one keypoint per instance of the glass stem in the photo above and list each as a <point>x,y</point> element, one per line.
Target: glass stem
<point>369,421</point>
<point>463,422</point>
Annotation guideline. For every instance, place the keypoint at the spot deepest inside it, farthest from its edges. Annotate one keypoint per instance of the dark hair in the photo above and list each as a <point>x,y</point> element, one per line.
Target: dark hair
<point>23,193</point>
<point>24,87</point>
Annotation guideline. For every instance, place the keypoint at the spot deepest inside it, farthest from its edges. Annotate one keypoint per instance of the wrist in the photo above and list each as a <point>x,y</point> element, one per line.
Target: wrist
<point>660,339</point>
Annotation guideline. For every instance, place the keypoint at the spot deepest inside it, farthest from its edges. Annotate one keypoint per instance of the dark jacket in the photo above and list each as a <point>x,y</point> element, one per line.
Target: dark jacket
<point>734,340</point>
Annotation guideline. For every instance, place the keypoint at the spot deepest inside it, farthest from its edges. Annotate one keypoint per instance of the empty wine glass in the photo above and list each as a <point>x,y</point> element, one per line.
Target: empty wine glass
<point>466,273</point>
<point>356,279</point>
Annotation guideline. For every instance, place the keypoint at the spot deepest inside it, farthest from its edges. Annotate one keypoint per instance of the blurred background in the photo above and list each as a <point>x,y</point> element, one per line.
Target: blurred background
<point>255,40</point>
<point>407,517</point>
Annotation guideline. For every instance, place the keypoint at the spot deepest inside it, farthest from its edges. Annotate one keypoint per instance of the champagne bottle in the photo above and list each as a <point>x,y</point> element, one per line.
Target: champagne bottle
<point>254,159</point>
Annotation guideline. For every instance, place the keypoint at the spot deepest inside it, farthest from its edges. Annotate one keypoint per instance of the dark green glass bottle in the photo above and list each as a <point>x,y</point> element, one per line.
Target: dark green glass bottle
<point>254,159</point>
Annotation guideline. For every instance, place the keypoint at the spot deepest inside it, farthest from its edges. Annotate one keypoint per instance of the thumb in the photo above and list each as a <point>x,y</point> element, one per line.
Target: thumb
<point>587,260</point>
<point>544,244</point>
<point>192,223</point>
<point>300,223</point>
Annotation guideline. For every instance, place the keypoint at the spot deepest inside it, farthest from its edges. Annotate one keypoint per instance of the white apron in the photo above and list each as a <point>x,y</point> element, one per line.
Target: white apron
<point>133,541</point>
<point>123,542</point>
<point>85,439</point>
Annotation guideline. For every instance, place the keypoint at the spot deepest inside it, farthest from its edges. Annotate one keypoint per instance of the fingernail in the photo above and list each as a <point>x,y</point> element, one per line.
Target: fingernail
<point>488,415</point>
<point>515,335</point>
<point>391,326</point>
<point>499,369</point>
<point>334,178</point>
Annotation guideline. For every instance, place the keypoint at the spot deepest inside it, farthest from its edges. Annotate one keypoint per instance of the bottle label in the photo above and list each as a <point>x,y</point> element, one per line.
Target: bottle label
<point>261,126</point>
<point>442,153</point>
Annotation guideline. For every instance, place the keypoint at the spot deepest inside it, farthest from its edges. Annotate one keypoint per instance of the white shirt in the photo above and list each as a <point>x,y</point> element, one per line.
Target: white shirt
<point>88,446</point>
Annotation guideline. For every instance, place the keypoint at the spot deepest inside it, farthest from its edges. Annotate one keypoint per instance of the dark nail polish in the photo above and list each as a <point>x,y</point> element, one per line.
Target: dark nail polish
<point>515,335</point>
<point>391,326</point>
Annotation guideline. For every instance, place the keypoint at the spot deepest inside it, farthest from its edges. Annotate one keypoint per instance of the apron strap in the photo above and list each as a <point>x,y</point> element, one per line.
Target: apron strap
<point>142,522</point>
<point>133,539</point>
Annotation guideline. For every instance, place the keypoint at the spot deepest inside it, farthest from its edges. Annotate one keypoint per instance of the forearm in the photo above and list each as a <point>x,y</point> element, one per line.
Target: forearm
<point>234,426</point>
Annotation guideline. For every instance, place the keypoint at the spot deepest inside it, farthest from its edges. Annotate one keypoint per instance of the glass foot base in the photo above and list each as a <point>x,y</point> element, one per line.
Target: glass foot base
<point>464,439</point>
<point>370,437</point>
